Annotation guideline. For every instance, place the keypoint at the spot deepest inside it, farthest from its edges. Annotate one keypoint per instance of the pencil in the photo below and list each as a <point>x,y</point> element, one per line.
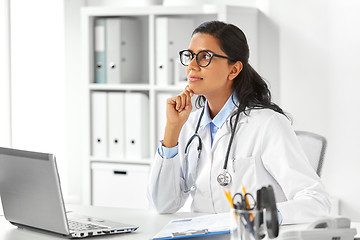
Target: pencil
<point>247,202</point>
<point>229,198</point>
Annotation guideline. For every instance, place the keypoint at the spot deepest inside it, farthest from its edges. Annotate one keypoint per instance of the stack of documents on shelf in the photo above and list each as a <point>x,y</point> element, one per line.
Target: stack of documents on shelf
<point>195,227</point>
<point>117,51</point>
<point>161,99</point>
<point>120,125</point>
<point>172,34</point>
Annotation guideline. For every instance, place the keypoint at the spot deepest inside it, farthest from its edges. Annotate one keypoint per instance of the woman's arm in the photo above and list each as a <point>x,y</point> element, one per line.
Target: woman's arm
<point>285,160</point>
<point>166,179</point>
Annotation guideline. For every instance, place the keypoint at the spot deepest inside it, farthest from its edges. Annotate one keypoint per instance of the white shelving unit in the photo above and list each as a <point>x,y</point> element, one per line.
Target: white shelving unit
<point>261,37</point>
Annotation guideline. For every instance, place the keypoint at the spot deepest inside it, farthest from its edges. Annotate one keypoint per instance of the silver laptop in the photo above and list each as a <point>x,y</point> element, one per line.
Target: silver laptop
<point>31,197</point>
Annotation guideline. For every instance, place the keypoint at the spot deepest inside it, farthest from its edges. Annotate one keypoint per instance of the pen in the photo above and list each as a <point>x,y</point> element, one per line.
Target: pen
<point>244,216</point>
<point>246,221</point>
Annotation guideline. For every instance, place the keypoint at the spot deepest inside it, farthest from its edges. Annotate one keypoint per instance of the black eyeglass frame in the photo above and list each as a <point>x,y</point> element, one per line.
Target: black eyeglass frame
<point>197,54</point>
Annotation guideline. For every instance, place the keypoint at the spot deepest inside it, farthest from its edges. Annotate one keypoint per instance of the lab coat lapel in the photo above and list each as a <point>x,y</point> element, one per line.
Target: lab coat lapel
<point>226,130</point>
<point>223,131</point>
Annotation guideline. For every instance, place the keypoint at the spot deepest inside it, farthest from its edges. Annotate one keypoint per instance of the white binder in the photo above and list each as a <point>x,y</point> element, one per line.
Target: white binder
<point>172,35</point>
<point>113,49</point>
<point>116,128</point>
<point>180,78</point>
<point>100,54</point>
<point>122,50</point>
<point>161,114</point>
<point>99,124</point>
<point>137,125</point>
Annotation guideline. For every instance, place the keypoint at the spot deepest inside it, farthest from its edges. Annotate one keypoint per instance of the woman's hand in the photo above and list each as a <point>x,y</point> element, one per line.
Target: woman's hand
<point>178,109</point>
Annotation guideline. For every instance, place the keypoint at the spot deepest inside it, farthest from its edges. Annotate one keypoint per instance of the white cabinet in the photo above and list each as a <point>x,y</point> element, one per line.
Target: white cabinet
<point>119,185</point>
<point>155,73</point>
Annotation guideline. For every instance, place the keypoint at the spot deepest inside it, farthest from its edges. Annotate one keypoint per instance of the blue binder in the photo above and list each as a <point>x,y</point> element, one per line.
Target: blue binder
<point>100,50</point>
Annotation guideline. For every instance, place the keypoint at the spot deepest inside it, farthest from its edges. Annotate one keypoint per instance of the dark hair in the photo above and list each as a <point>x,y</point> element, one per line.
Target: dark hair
<point>250,88</point>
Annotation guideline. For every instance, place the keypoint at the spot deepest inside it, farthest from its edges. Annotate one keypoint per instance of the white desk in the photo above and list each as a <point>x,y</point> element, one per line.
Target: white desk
<point>149,223</point>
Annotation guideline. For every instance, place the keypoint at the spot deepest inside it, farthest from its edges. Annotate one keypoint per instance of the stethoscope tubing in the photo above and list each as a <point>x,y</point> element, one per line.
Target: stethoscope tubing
<point>231,140</point>
<point>196,134</point>
<point>225,175</point>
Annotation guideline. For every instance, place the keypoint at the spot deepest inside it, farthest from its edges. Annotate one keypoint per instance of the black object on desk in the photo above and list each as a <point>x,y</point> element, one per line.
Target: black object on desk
<point>266,200</point>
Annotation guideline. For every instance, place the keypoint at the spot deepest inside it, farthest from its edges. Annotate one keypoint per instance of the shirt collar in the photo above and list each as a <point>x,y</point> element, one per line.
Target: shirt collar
<point>224,113</point>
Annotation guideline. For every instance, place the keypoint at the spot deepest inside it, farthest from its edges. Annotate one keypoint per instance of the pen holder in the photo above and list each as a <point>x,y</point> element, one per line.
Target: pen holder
<point>247,225</point>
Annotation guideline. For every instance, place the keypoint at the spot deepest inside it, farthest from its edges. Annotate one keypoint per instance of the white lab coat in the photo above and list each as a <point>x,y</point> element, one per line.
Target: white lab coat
<point>265,151</point>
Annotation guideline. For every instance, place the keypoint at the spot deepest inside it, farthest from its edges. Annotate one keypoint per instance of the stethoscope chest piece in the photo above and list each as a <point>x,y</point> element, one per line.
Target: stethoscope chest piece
<point>224,178</point>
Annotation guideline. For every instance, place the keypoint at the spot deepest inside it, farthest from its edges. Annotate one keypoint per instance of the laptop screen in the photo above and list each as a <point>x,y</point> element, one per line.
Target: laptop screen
<point>30,190</point>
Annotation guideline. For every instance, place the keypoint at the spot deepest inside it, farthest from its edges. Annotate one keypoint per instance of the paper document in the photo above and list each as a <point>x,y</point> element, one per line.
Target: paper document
<point>197,226</point>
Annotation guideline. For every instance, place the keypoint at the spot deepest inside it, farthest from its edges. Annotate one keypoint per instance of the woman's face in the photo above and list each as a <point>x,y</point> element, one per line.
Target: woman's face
<point>213,79</point>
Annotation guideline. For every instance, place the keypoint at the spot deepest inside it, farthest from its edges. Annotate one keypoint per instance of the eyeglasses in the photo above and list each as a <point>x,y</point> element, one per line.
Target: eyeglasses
<point>203,58</point>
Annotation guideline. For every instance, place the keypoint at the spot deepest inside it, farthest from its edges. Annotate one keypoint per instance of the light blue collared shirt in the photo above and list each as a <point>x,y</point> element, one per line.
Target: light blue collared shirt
<point>215,125</point>
<point>220,118</point>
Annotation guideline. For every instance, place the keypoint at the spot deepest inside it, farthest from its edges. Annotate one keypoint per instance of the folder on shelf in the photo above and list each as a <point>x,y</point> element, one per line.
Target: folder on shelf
<point>206,225</point>
<point>137,125</point>
<point>116,125</point>
<point>99,124</point>
<point>113,50</point>
<point>172,35</point>
<point>161,114</point>
<point>180,78</point>
<point>122,50</point>
<point>99,48</point>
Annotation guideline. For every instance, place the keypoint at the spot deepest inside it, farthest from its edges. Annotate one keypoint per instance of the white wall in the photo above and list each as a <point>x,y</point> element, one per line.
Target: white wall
<point>320,78</point>
<point>37,78</point>
<point>342,175</point>
<point>74,105</point>
<point>5,99</point>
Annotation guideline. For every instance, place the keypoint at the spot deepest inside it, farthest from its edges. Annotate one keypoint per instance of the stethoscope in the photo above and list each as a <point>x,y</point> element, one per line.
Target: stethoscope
<point>224,178</point>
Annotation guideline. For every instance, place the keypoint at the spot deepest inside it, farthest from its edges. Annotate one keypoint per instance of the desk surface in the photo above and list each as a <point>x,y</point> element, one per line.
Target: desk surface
<point>149,223</point>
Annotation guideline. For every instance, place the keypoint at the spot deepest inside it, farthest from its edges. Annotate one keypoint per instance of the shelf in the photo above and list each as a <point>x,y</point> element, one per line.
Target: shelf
<point>117,87</point>
<point>174,88</point>
<point>145,161</point>
<point>151,81</point>
<point>157,10</point>
<point>135,87</point>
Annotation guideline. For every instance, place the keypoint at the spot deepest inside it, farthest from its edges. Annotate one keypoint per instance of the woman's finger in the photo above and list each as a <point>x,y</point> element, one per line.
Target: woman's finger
<point>188,89</point>
<point>178,102</point>
<point>183,101</point>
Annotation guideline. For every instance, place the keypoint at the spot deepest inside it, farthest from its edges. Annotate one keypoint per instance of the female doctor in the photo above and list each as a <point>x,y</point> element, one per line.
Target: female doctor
<point>237,136</point>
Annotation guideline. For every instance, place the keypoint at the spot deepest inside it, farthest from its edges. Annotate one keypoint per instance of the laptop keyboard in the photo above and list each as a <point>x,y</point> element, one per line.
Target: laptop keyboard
<point>79,226</point>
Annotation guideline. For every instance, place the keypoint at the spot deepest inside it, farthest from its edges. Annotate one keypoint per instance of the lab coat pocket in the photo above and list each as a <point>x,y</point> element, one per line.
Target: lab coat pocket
<point>243,170</point>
